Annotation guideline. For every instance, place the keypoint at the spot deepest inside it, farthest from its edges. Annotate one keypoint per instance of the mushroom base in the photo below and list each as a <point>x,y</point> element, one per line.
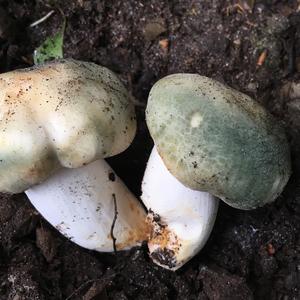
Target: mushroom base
<point>92,207</point>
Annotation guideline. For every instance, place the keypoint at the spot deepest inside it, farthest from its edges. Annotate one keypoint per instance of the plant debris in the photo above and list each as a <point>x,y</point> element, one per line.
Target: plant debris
<point>51,48</point>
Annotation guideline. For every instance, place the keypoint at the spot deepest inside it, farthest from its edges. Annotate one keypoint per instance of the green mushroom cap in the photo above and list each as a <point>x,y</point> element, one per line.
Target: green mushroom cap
<point>213,138</point>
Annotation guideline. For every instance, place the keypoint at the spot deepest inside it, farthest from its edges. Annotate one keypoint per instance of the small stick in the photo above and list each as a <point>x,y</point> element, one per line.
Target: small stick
<point>81,287</point>
<point>113,223</point>
<point>262,58</point>
<point>41,20</point>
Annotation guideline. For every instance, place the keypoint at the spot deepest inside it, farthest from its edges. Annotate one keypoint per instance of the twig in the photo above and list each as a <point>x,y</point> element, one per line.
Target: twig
<point>41,20</point>
<point>80,288</point>
<point>113,223</point>
<point>262,58</point>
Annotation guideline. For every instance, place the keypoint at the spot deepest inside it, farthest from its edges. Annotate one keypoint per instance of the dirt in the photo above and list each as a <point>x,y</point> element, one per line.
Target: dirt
<point>250,254</point>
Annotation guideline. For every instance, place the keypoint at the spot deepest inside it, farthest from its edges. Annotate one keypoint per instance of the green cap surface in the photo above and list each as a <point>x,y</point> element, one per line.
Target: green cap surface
<point>216,139</point>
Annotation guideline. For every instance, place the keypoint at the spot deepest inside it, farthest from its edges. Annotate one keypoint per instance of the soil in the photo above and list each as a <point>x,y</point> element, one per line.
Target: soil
<point>250,254</point>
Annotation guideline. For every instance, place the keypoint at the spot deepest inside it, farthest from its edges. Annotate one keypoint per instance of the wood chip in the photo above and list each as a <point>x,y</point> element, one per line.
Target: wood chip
<point>262,58</point>
<point>164,44</point>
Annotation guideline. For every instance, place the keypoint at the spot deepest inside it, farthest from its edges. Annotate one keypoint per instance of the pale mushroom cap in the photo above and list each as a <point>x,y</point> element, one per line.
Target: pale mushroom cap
<point>215,139</point>
<point>65,113</point>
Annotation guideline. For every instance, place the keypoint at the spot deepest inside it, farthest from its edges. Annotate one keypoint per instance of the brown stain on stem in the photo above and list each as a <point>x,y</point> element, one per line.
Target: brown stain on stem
<point>135,237</point>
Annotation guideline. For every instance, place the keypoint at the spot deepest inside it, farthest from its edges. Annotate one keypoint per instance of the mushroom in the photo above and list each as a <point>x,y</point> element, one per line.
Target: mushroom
<point>58,122</point>
<point>209,138</point>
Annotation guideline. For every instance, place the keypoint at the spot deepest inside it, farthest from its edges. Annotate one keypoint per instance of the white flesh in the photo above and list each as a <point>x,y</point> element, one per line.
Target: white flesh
<point>182,219</point>
<point>80,204</point>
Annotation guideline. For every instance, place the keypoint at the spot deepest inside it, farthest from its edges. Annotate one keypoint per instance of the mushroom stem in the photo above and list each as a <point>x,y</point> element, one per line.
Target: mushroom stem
<point>92,207</point>
<point>181,218</point>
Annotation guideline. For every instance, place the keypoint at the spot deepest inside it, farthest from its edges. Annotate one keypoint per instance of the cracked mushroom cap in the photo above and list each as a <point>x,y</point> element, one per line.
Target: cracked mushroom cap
<point>216,139</point>
<point>65,113</point>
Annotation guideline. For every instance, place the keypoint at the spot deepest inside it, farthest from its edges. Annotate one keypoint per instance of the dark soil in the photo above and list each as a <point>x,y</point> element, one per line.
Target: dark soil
<point>251,254</point>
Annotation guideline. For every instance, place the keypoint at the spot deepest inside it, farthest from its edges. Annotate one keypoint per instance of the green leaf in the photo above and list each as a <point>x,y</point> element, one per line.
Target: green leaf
<point>51,48</point>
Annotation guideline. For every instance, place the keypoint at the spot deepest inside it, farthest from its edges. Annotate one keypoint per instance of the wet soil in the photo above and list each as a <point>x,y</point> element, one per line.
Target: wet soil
<point>250,254</point>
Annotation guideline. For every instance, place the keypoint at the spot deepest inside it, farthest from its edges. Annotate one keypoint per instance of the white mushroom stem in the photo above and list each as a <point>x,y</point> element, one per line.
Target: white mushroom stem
<point>181,218</point>
<point>92,207</point>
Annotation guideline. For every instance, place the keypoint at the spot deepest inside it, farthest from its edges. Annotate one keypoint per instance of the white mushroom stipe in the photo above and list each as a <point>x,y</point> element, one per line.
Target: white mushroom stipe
<point>181,218</point>
<point>80,204</point>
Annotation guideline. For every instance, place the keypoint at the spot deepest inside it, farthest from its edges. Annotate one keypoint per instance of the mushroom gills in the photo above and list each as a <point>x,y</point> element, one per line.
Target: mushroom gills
<point>91,206</point>
<point>181,219</point>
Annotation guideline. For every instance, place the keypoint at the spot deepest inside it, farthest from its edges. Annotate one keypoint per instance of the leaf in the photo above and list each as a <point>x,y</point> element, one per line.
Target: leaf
<point>51,48</point>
